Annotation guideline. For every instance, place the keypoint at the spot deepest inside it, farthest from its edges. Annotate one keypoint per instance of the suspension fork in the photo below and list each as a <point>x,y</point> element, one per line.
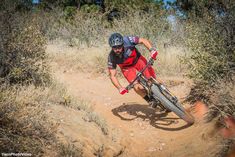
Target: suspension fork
<point>164,90</point>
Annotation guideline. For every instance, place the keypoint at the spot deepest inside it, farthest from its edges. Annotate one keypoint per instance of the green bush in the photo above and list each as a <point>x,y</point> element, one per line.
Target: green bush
<point>69,12</point>
<point>212,59</point>
<point>210,36</point>
<point>90,8</point>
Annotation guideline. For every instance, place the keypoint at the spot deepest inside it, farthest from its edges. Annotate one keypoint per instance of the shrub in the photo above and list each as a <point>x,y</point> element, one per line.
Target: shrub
<point>90,8</point>
<point>69,12</point>
<point>22,47</point>
<point>212,58</point>
<point>212,64</point>
<point>24,125</point>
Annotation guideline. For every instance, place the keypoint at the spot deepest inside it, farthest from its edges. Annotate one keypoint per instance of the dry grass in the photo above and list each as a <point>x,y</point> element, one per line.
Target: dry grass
<point>74,59</point>
<point>57,93</point>
<point>70,150</point>
<point>221,100</point>
<point>94,60</point>
<point>24,124</point>
<point>101,123</point>
<point>89,30</point>
<point>62,97</point>
<point>85,38</point>
<point>169,62</point>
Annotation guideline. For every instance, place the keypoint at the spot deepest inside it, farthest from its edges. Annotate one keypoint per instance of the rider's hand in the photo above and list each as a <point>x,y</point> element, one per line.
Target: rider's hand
<point>153,52</point>
<point>123,91</point>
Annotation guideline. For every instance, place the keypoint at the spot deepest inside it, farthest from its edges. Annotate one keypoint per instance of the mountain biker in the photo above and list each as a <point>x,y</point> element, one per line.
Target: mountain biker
<point>129,59</point>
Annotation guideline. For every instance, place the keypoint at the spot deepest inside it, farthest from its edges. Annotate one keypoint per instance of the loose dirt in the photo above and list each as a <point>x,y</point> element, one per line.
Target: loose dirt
<point>142,131</point>
<point>135,130</point>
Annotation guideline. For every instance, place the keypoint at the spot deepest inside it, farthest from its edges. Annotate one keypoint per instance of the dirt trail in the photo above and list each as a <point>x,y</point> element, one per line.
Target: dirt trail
<point>143,131</point>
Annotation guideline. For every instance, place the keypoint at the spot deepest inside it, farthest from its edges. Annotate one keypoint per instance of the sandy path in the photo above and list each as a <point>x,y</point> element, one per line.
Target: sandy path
<point>144,131</point>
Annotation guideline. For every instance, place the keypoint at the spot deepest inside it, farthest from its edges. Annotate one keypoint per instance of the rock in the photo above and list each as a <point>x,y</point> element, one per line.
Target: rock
<point>132,134</point>
<point>152,149</point>
<point>160,148</point>
<point>163,144</point>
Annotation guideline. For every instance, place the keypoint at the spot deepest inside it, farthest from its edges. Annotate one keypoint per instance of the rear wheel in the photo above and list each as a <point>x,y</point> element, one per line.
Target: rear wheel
<point>177,108</point>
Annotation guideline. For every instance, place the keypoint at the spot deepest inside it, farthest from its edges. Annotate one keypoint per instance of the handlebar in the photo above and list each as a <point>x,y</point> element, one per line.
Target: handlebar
<point>150,62</point>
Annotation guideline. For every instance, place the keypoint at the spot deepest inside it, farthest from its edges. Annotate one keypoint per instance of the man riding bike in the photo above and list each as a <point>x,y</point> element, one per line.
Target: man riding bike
<point>129,59</point>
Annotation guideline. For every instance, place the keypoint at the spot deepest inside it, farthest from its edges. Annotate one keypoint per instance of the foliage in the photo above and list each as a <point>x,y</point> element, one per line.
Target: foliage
<point>22,57</point>
<point>209,27</point>
<point>123,5</point>
<point>210,37</point>
<point>213,58</point>
<point>198,8</point>
<point>93,29</point>
<point>90,8</point>
<point>209,33</point>
<point>69,12</point>
<point>19,5</point>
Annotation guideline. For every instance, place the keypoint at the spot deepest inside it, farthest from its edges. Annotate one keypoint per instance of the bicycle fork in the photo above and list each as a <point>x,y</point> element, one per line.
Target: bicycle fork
<point>165,91</point>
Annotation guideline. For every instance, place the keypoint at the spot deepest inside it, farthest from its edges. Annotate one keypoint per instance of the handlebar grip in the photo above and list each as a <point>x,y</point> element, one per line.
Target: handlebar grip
<point>124,92</point>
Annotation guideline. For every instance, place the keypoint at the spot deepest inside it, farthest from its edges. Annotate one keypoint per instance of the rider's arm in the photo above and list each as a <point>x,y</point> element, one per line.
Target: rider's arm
<point>149,46</point>
<point>146,43</point>
<point>113,78</point>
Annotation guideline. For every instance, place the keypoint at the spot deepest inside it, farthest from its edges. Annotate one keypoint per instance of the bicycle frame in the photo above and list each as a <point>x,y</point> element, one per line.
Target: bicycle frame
<point>141,77</point>
<point>147,83</point>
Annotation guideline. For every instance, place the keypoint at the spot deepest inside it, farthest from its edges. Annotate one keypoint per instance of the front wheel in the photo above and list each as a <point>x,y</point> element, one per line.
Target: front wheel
<point>174,107</point>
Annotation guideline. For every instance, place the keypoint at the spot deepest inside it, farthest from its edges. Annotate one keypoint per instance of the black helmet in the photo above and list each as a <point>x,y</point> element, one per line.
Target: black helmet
<point>115,39</point>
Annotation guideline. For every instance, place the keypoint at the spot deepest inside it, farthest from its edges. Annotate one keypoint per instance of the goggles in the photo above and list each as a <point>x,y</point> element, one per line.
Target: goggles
<point>117,47</point>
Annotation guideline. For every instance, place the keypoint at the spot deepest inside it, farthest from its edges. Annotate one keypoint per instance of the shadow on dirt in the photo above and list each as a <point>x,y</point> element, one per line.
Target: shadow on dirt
<point>132,111</point>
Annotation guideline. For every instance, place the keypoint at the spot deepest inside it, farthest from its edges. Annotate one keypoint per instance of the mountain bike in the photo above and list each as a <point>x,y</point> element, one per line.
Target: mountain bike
<point>161,94</point>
